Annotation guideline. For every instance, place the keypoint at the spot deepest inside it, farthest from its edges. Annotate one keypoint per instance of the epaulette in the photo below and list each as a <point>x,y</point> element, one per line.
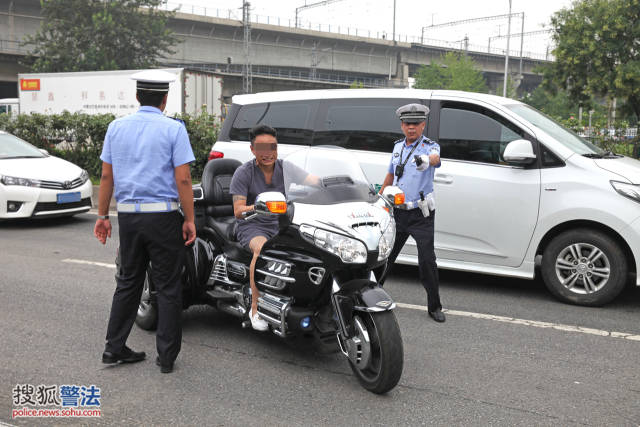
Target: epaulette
<point>400,140</point>
<point>179,120</point>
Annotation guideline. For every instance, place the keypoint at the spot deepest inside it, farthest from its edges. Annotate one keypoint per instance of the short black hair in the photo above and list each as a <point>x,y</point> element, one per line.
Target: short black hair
<point>261,130</point>
<point>149,98</point>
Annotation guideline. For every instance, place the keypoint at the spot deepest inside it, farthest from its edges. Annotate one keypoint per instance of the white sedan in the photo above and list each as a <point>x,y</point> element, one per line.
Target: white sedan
<point>36,184</point>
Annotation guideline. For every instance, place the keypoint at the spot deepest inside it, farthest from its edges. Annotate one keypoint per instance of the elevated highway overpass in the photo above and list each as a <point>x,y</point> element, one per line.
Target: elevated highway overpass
<point>282,57</point>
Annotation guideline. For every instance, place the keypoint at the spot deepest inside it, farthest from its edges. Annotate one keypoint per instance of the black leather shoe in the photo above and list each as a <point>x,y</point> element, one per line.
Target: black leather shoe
<point>437,315</point>
<point>165,368</point>
<point>126,356</point>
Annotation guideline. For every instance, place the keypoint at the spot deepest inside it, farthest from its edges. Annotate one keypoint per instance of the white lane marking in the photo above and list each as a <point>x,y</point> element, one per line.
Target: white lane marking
<point>82,261</point>
<point>534,323</point>
<point>503,319</point>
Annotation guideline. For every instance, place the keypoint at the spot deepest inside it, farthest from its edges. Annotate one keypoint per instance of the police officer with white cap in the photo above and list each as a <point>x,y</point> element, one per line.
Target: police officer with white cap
<point>412,166</point>
<point>146,159</point>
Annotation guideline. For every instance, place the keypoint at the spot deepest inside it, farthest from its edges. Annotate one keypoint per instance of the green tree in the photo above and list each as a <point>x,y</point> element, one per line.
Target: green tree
<point>597,51</point>
<point>557,105</point>
<point>512,89</point>
<point>457,72</point>
<point>89,35</point>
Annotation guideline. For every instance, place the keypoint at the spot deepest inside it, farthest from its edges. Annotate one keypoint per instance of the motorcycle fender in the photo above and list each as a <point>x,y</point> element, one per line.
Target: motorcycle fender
<point>373,299</point>
<point>359,296</point>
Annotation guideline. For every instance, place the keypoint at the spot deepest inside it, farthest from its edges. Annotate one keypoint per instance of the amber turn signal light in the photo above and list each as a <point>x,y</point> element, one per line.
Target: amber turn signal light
<point>278,207</point>
<point>398,199</point>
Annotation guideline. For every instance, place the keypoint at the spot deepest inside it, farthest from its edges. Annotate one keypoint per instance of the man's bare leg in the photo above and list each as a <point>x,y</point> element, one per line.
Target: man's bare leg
<point>255,245</point>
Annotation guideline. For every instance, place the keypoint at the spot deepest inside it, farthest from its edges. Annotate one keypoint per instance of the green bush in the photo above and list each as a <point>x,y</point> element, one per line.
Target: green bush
<point>78,137</point>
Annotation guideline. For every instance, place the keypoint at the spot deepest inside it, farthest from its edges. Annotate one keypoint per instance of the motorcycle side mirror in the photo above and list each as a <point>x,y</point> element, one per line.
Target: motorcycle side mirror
<point>271,203</point>
<point>394,195</point>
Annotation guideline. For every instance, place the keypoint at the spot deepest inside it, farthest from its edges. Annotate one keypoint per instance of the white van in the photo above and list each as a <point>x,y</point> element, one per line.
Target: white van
<point>515,189</point>
<point>10,106</point>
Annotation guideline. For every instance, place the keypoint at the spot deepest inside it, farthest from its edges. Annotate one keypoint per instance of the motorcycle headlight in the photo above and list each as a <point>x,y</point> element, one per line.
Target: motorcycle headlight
<point>12,180</point>
<point>388,238</point>
<point>350,251</point>
<point>631,191</point>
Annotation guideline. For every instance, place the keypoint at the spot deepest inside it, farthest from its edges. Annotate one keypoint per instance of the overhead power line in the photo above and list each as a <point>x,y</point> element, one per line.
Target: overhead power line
<point>469,21</point>
<point>311,5</point>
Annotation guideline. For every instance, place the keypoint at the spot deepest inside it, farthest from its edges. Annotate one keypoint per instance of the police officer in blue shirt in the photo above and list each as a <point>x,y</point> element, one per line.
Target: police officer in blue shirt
<point>412,166</point>
<point>146,158</point>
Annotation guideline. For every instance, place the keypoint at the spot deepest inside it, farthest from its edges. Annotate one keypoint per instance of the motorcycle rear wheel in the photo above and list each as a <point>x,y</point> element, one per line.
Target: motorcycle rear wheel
<point>384,369</point>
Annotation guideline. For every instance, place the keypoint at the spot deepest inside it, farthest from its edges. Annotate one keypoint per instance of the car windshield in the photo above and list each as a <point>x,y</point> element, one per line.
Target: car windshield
<point>561,134</point>
<point>324,176</point>
<point>12,147</point>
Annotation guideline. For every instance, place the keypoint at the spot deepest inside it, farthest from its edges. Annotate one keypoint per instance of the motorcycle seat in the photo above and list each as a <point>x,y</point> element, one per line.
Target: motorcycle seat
<point>225,226</point>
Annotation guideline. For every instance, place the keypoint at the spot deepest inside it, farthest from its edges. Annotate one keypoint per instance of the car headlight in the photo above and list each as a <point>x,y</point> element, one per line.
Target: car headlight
<point>84,176</point>
<point>12,180</point>
<point>350,251</point>
<point>632,191</point>
<point>388,238</point>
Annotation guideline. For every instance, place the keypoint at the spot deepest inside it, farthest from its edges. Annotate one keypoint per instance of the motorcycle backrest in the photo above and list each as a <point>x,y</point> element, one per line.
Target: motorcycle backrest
<point>216,180</point>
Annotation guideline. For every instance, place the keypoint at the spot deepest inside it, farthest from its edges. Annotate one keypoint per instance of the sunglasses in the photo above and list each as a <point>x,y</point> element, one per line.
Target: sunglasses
<point>265,146</point>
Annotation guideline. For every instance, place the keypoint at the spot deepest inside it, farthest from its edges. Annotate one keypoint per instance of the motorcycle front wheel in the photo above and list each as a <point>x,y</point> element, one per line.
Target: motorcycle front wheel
<point>385,357</point>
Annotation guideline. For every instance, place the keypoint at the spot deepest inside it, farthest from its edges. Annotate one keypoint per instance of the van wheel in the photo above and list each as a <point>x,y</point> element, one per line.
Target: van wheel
<point>584,267</point>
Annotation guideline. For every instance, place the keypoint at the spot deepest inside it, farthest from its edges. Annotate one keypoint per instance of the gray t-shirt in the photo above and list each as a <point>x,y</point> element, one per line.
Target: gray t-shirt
<point>248,181</point>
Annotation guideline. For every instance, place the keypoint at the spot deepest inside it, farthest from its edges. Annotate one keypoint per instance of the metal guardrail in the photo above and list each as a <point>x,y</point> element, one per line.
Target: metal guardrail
<point>345,30</point>
<point>13,46</point>
<point>288,73</point>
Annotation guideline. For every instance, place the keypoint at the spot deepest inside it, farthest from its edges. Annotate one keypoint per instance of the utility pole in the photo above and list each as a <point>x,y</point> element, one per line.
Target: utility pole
<point>314,60</point>
<point>394,21</point>
<point>246,70</point>
<point>521,44</point>
<point>506,57</point>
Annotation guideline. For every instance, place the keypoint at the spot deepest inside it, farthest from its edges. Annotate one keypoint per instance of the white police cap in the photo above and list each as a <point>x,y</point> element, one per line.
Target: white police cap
<point>413,113</point>
<point>153,80</point>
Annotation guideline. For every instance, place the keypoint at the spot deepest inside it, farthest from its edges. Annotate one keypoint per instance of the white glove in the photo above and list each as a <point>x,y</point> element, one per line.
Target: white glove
<point>422,162</point>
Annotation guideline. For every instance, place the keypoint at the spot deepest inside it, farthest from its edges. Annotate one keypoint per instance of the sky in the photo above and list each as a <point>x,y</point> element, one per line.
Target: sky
<point>374,17</point>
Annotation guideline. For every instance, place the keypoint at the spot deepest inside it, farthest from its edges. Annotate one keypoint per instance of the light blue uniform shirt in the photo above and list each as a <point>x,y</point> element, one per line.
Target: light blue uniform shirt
<point>144,148</point>
<point>413,181</point>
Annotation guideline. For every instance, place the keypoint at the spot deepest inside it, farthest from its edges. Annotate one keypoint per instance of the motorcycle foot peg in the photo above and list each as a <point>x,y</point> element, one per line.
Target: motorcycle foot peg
<point>246,323</point>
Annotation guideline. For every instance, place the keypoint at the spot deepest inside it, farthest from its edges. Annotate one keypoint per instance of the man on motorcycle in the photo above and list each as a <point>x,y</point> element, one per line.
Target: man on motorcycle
<point>252,178</point>
<point>264,173</point>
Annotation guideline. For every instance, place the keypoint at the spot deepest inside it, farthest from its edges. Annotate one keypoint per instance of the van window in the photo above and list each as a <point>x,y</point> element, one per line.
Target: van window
<point>550,160</point>
<point>360,124</point>
<point>292,121</point>
<point>469,132</point>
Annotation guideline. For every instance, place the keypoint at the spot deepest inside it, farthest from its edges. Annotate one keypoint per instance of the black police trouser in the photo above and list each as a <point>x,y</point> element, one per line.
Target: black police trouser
<point>144,237</point>
<point>413,223</point>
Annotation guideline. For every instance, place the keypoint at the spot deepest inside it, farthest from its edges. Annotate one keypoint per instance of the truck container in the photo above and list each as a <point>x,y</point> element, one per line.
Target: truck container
<point>96,92</point>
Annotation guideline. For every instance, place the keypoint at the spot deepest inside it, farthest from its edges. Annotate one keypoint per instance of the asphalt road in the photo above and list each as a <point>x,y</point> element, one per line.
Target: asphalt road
<point>541,363</point>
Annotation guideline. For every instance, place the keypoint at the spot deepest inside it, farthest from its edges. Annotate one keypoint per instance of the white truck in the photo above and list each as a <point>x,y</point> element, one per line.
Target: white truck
<point>96,92</point>
<point>10,106</point>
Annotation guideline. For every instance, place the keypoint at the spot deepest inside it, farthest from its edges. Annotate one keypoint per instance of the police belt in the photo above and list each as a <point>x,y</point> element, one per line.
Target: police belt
<point>147,207</point>
<point>408,206</point>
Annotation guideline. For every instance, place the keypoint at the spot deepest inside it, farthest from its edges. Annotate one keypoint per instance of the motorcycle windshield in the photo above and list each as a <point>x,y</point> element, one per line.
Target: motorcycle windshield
<point>325,176</point>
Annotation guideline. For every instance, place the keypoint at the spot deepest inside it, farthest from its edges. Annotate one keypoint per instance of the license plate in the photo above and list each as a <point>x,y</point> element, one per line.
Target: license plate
<point>68,197</point>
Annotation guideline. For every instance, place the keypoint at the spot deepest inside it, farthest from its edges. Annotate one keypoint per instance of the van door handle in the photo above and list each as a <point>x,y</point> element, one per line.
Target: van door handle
<point>443,179</point>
